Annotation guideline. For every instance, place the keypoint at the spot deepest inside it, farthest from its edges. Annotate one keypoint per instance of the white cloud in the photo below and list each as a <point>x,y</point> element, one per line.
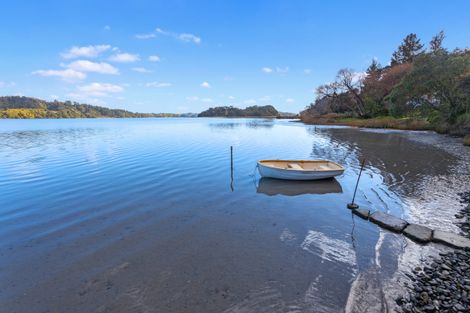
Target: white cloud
<point>154,58</point>
<point>357,76</point>
<point>158,84</point>
<point>282,69</point>
<point>265,98</point>
<point>192,98</point>
<point>189,38</point>
<point>250,101</point>
<point>88,66</point>
<point>231,97</point>
<point>99,89</point>
<point>80,97</point>
<point>207,100</point>
<point>186,37</point>
<point>107,27</point>
<point>67,74</point>
<point>277,69</point>
<point>290,100</point>
<point>54,97</point>
<point>267,70</point>
<point>307,71</point>
<point>88,51</point>
<point>205,85</point>
<point>141,70</point>
<point>145,36</point>
<point>124,58</point>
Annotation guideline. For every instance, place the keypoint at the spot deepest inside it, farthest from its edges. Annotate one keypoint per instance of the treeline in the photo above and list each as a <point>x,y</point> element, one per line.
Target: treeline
<point>26,107</point>
<point>427,84</point>
<point>230,111</point>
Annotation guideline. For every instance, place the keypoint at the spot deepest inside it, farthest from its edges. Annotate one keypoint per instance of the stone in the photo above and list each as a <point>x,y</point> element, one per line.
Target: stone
<point>451,239</point>
<point>418,233</point>
<point>362,213</point>
<point>388,221</point>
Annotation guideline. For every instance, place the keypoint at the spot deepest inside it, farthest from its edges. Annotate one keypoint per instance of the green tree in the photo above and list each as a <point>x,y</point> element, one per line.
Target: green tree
<point>436,82</point>
<point>436,42</point>
<point>408,50</point>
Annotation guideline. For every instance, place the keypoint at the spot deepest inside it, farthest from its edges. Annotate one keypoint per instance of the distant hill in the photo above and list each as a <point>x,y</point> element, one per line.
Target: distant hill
<point>230,111</point>
<point>26,107</point>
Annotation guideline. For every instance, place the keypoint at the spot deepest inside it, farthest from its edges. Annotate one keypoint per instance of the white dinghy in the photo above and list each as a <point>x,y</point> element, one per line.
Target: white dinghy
<point>299,169</point>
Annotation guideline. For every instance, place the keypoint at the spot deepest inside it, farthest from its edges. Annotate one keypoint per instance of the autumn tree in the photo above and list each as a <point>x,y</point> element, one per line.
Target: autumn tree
<point>347,87</point>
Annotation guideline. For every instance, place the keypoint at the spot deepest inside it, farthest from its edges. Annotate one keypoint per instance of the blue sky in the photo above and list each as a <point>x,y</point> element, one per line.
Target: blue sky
<point>185,56</point>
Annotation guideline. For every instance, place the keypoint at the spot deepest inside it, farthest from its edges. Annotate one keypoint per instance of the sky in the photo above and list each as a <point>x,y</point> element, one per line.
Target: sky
<point>185,56</point>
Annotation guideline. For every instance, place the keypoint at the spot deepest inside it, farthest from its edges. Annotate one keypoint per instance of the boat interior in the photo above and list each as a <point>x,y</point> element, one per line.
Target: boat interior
<point>303,165</point>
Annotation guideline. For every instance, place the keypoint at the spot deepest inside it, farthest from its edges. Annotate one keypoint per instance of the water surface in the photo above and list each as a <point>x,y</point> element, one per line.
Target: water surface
<point>145,215</point>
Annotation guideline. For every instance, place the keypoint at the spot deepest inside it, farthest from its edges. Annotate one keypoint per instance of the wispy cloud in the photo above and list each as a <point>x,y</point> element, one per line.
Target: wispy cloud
<point>186,37</point>
<point>265,98</point>
<point>158,84</point>
<point>282,69</point>
<point>207,100</point>
<point>99,89</point>
<point>107,27</point>
<point>154,58</point>
<point>67,74</point>
<point>290,100</point>
<point>250,101</point>
<point>189,38</point>
<point>87,51</point>
<point>124,58</point>
<point>205,85</point>
<point>192,98</point>
<point>307,71</point>
<point>141,70</point>
<point>277,69</point>
<point>145,36</point>
<point>88,66</point>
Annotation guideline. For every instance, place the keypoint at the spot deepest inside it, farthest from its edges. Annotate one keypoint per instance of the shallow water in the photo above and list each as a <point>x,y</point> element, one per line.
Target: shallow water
<point>144,215</point>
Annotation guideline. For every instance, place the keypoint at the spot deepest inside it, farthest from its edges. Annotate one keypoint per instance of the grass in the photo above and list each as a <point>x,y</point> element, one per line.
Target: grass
<point>378,122</point>
<point>466,140</point>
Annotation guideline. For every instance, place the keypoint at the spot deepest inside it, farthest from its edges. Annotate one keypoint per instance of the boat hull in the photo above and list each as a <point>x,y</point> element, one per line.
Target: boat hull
<point>293,174</point>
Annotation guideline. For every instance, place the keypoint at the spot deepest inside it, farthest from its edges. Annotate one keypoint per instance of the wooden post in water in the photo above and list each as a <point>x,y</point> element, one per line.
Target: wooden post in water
<point>352,205</point>
<point>231,167</point>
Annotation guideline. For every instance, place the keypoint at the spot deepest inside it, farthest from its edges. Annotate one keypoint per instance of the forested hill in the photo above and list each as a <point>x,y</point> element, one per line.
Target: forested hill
<point>230,111</point>
<point>26,107</point>
<point>422,87</point>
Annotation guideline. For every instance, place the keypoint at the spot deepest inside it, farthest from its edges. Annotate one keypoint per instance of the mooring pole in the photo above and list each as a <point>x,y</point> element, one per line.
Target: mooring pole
<point>352,205</point>
<point>231,167</point>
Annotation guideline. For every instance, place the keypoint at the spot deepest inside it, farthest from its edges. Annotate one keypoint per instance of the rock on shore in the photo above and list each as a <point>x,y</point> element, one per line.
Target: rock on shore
<point>442,285</point>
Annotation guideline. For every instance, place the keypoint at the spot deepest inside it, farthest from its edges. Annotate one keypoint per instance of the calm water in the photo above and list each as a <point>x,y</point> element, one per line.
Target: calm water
<point>141,215</point>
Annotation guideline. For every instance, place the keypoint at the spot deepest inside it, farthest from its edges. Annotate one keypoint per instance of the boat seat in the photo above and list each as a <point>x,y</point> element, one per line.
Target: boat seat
<point>294,166</point>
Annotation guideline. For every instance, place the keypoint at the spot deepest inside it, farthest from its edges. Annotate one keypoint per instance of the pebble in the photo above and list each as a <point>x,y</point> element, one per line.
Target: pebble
<point>442,284</point>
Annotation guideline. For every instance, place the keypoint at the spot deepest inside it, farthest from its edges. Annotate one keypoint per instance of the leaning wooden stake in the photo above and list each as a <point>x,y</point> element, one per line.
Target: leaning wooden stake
<point>231,167</point>
<point>352,205</point>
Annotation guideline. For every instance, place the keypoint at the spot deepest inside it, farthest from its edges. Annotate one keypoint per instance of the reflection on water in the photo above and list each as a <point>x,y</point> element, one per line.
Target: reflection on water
<point>273,187</point>
<point>248,123</point>
<point>123,215</point>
